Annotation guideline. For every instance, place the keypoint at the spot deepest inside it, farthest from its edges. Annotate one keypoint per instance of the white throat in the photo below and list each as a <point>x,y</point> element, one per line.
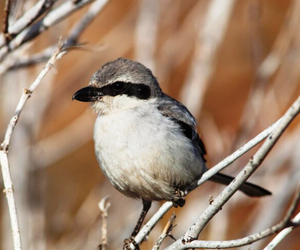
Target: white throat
<point>111,104</point>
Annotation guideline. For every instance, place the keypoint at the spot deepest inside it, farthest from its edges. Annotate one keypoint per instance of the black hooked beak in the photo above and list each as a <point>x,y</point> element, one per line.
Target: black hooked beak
<point>88,94</point>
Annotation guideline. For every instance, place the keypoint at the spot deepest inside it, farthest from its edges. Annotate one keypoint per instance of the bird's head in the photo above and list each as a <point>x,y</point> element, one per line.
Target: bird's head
<point>119,84</point>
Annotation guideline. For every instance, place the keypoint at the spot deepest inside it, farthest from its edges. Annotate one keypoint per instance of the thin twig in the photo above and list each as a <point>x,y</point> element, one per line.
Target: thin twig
<point>104,205</point>
<point>9,192</point>
<point>5,147</point>
<point>225,195</point>
<point>30,16</point>
<point>13,63</point>
<point>72,40</point>
<point>284,224</point>
<point>283,234</point>
<point>262,215</point>
<point>27,93</point>
<point>166,232</point>
<point>53,17</point>
<point>6,21</point>
<point>237,154</point>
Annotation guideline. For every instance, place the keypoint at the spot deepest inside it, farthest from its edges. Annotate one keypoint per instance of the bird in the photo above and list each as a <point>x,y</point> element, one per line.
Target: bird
<point>146,142</point>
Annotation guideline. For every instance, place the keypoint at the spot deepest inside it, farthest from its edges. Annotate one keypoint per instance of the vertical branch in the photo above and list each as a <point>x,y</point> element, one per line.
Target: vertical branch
<point>5,20</point>
<point>209,39</point>
<point>8,184</point>
<point>104,205</point>
<point>9,191</point>
<point>54,16</point>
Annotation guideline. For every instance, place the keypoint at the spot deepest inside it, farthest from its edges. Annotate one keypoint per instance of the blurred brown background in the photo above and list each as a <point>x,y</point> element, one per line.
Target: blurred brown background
<point>253,77</point>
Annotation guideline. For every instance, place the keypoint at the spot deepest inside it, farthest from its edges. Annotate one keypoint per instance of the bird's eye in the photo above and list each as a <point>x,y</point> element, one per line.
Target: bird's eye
<point>119,86</point>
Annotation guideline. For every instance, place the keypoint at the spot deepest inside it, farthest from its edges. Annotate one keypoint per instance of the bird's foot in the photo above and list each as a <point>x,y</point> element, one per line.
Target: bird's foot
<point>188,239</point>
<point>128,242</point>
<point>179,199</point>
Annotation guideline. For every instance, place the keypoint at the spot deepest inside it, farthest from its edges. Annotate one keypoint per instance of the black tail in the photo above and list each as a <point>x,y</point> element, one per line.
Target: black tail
<point>247,188</point>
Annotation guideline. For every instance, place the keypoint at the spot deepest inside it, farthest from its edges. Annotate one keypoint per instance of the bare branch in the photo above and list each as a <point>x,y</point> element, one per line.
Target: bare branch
<point>104,205</point>
<point>166,232</point>
<point>53,17</point>
<point>283,234</point>
<point>237,154</point>
<point>253,164</point>
<point>5,20</point>
<point>285,223</point>
<point>13,63</point>
<point>72,39</point>
<point>5,146</point>
<point>29,17</point>
<point>26,94</point>
<point>208,174</point>
<point>9,192</point>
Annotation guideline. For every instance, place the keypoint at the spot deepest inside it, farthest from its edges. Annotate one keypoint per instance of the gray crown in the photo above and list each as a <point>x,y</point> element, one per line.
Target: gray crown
<point>127,71</point>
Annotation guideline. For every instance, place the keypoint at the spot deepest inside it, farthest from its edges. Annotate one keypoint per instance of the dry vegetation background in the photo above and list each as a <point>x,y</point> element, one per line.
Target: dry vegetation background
<point>57,181</point>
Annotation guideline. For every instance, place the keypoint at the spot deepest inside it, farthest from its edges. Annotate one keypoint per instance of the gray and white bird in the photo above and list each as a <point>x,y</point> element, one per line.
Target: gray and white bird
<point>146,142</point>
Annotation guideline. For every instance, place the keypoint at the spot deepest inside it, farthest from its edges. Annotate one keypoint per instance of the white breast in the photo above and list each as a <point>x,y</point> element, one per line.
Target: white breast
<point>144,154</point>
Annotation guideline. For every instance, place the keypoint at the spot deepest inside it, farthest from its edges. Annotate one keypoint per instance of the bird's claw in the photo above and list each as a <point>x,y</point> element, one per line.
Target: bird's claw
<point>180,199</point>
<point>188,239</point>
<point>128,242</point>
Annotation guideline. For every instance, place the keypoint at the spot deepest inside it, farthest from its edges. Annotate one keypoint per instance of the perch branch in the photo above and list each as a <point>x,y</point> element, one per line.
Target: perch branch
<point>283,225</point>
<point>208,174</point>
<point>225,195</point>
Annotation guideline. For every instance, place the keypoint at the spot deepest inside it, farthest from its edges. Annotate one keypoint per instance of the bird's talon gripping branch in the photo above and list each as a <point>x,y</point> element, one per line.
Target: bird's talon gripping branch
<point>128,242</point>
<point>188,239</point>
<point>179,199</point>
<point>178,202</point>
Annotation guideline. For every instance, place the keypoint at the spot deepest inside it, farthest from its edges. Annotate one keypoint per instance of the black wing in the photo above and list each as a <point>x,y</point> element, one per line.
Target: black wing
<point>191,134</point>
<point>180,114</point>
